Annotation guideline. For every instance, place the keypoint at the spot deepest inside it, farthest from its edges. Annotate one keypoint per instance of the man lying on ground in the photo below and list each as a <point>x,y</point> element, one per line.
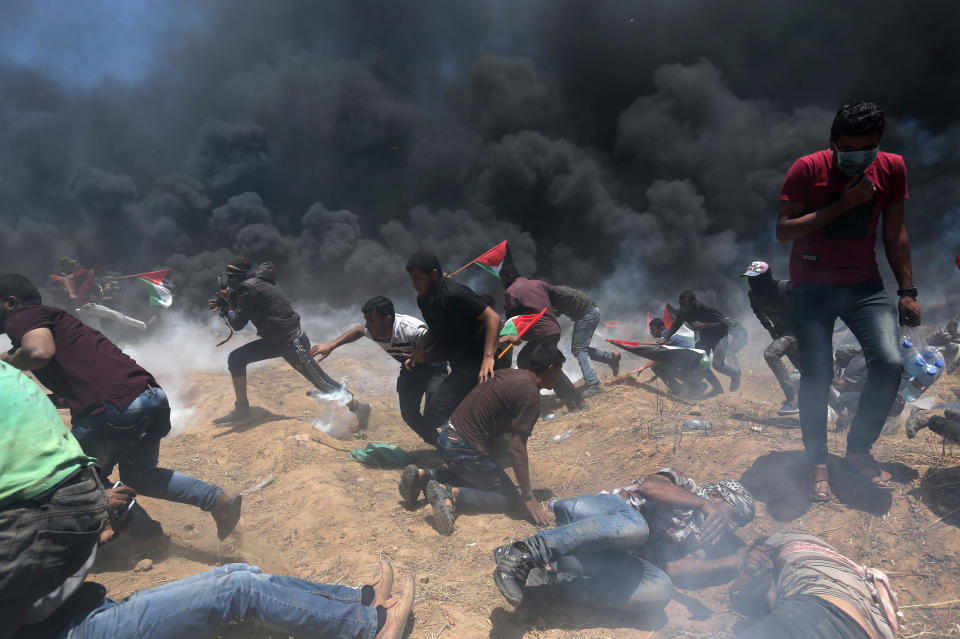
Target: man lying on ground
<point>623,550</point>
<point>474,481</point>
<point>53,514</point>
<point>118,409</point>
<point>688,382</point>
<point>947,339</point>
<point>398,335</point>
<point>251,294</point>
<point>800,587</point>
<point>944,422</point>
<point>848,383</point>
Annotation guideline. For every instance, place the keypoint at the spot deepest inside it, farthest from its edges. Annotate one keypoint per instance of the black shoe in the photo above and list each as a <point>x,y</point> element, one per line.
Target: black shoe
<point>362,411</point>
<point>915,422</point>
<point>734,383</point>
<point>239,413</point>
<point>226,515</point>
<point>513,566</point>
<point>443,515</point>
<point>788,407</point>
<point>615,364</point>
<point>591,390</point>
<point>411,485</point>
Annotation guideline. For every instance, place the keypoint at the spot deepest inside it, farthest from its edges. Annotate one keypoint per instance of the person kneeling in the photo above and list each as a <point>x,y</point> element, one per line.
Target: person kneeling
<point>623,550</point>
<point>474,481</point>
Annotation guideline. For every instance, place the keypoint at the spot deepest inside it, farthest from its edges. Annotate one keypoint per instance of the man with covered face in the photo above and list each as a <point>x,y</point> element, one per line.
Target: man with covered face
<point>624,549</point>
<point>250,293</point>
<point>830,204</point>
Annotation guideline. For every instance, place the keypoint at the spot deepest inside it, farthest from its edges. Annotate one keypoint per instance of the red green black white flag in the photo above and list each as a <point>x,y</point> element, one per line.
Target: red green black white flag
<point>493,260</point>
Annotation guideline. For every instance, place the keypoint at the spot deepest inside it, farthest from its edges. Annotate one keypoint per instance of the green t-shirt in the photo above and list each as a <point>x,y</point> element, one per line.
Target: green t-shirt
<point>37,452</point>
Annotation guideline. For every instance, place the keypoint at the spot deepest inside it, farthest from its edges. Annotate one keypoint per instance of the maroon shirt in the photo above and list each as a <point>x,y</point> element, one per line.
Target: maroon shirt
<point>529,297</point>
<point>87,369</point>
<point>844,251</point>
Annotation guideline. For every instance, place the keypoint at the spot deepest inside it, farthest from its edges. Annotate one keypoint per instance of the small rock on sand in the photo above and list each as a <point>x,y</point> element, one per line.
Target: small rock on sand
<point>143,565</point>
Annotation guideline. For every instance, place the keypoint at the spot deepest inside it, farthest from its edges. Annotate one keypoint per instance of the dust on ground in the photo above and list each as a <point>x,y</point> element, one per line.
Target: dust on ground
<point>327,518</point>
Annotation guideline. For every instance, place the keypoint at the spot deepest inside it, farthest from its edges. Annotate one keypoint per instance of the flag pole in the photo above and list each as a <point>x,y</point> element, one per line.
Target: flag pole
<point>462,268</point>
<point>504,351</point>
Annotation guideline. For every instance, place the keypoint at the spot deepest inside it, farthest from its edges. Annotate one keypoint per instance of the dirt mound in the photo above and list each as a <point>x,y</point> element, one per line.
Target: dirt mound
<point>327,518</point>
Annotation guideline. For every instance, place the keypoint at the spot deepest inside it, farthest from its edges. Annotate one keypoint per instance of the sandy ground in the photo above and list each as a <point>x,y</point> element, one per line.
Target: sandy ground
<point>327,518</point>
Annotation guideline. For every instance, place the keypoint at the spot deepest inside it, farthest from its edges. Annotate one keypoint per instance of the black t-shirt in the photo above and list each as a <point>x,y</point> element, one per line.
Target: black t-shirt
<point>715,325</point>
<point>87,369</point>
<point>451,317</point>
<point>507,402</point>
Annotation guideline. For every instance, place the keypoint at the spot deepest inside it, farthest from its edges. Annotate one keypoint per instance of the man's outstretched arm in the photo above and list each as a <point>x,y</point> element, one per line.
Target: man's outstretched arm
<point>36,350</point>
<point>323,350</point>
<point>521,468</point>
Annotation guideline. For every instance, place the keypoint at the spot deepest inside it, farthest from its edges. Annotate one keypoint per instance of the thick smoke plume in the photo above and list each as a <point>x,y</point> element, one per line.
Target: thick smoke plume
<point>632,149</point>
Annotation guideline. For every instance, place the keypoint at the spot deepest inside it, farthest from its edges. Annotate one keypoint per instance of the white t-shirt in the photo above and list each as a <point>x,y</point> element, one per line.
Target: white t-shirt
<point>408,332</point>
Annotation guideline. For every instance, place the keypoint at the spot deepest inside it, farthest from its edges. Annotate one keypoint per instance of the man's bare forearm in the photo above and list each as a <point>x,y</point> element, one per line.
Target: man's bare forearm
<point>898,255</point>
<point>24,359</point>
<point>521,468</point>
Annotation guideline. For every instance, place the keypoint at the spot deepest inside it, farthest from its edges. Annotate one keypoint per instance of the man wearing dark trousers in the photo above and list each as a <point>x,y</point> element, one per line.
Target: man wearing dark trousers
<point>464,327</point>
<point>528,297</point>
<point>830,204</point>
<point>119,411</point>
<point>398,335</point>
<point>770,301</point>
<point>250,293</point>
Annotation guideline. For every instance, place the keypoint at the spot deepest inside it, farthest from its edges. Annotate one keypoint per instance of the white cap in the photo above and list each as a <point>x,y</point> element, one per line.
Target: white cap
<point>756,268</point>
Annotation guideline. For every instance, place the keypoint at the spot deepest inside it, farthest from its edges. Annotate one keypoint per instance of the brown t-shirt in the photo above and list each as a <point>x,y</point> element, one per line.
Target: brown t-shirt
<point>88,369</point>
<point>507,402</point>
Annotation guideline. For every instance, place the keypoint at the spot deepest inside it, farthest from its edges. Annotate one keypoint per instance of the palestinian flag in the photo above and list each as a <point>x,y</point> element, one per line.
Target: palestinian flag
<point>684,331</point>
<point>493,260</point>
<point>160,295</point>
<point>683,358</point>
<point>520,324</point>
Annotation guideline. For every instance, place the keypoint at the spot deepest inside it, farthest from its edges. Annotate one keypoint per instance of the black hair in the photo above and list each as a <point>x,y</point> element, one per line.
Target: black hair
<point>857,119</point>
<point>425,262</point>
<point>489,301</point>
<point>382,305</point>
<point>544,356</point>
<point>509,272</point>
<point>656,321</point>
<point>688,295</point>
<point>18,286</point>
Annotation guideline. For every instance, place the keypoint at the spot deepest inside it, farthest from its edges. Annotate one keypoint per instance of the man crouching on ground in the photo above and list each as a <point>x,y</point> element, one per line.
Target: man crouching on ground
<point>623,550</point>
<point>474,481</point>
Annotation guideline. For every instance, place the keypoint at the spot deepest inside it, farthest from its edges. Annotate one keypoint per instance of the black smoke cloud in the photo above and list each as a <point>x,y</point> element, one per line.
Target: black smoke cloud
<point>631,149</point>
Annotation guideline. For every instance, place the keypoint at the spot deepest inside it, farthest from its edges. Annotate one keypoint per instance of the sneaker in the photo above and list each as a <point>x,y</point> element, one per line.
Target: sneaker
<point>914,422</point>
<point>362,411</point>
<point>443,514</point>
<point>513,566</point>
<point>381,583</point>
<point>239,413</point>
<point>411,485</point>
<point>398,610</point>
<point>591,390</point>
<point>788,408</point>
<point>227,514</point>
<point>615,364</point>
<point>734,383</point>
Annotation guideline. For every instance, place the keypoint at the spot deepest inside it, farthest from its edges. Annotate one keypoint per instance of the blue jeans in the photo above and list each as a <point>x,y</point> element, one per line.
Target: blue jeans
<point>589,548</point>
<point>483,484</point>
<point>869,314</point>
<point>583,330</point>
<point>724,359</point>
<point>197,606</point>
<point>130,439</point>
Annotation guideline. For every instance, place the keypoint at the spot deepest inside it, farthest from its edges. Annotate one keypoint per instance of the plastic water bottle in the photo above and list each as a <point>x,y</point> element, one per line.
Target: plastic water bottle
<point>911,389</point>
<point>562,436</point>
<point>698,424</point>
<point>913,361</point>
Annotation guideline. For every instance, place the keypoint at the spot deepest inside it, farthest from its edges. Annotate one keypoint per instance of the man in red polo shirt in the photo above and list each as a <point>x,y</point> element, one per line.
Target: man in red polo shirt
<point>830,204</point>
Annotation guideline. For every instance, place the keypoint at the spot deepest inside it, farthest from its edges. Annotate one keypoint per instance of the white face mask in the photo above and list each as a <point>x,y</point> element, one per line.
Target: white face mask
<point>855,162</point>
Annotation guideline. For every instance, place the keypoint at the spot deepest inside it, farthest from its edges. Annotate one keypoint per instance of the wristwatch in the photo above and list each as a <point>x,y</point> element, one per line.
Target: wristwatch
<point>907,292</point>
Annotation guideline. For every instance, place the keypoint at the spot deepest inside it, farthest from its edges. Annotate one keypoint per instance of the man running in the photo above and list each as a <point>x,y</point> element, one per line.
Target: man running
<point>508,402</point>
<point>799,587</point>
<point>623,550</point>
<point>118,410</point>
<point>830,204</point>
<point>770,301</point>
<point>251,294</point>
<point>465,328</point>
<point>717,334</point>
<point>398,335</point>
<point>529,297</point>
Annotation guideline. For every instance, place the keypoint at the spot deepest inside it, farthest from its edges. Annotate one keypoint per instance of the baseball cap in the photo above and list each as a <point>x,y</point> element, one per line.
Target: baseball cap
<point>756,268</point>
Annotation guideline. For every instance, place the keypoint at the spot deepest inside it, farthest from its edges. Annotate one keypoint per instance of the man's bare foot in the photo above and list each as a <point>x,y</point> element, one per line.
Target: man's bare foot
<point>871,470</point>
<point>821,483</point>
